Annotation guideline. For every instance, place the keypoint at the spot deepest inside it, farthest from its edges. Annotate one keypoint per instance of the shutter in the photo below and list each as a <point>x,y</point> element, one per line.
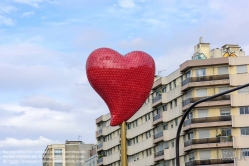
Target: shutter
<point>204,155</point>
<point>223,70</point>
<point>225,111</point>
<point>203,133</point>
<point>202,113</point>
<point>201,92</point>
<point>241,69</point>
<point>223,89</point>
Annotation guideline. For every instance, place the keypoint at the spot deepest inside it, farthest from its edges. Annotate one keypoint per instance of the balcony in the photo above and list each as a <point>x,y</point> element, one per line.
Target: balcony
<point>221,100</point>
<point>205,81</point>
<point>222,141</point>
<point>224,162</point>
<point>157,119</point>
<point>100,161</point>
<point>158,137</point>
<point>99,132</point>
<point>99,146</point>
<point>159,155</point>
<point>207,122</point>
<point>156,100</point>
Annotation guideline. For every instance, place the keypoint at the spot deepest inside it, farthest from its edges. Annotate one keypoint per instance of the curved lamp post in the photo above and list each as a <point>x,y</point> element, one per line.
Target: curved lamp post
<point>190,108</point>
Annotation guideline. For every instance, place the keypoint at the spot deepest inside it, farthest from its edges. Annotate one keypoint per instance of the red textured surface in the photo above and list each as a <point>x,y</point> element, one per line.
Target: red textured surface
<point>123,82</point>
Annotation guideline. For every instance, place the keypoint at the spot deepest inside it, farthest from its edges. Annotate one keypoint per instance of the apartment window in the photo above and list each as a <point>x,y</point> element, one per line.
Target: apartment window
<point>223,70</point>
<point>57,164</point>
<point>165,107</point>
<point>129,142</point>
<point>129,159</point>
<point>174,83</point>
<point>170,86</point>
<point>191,156</point>
<point>172,144</point>
<point>190,135</point>
<point>164,89</point>
<point>223,89</point>
<point>166,145</point>
<point>175,101</point>
<point>245,152</point>
<point>190,115</point>
<point>176,122</point>
<point>173,162</point>
<point>244,131</point>
<point>202,113</point>
<point>201,92</point>
<point>188,74</point>
<point>171,105</point>
<point>165,126</point>
<point>244,110</point>
<point>171,124</point>
<point>128,126</point>
<point>203,133</point>
<point>57,152</point>
<point>188,94</point>
<point>241,69</point>
<point>200,72</point>
<point>244,90</point>
<point>226,132</point>
<point>225,112</point>
<point>167,163</point>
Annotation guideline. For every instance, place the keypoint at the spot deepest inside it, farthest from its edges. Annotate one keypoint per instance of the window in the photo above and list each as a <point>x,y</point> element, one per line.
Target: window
<point>165,107</point>
<point>173,162</point>
<point>245,152</point>
<point>166,145</point>
<point>164,89</point>
<point>244,131</point>
<point>172,144</point>
<point>225,112</point>
<point>204,155</point>
<point>128,126</point>
<point>174,83</point>
<point>200,72</point>
<point>226,132</point>
<point>244,90</point>
<point>223,70</point>
<point>170,86</point>
<point>57,152</point>
<point>171,124</point>
<point>175,101</point>
<point>191,156</point>
<point>190,115</point>
<point>203,133</point>
<point>241,69</point>
<point>165,126</point>
<point>244,110</point>
<point>223,89</point>
<point>201,92</point>
<point>202,113</point>
<point>176,122</point>
<point>171,105</point>
<point>188,94</point>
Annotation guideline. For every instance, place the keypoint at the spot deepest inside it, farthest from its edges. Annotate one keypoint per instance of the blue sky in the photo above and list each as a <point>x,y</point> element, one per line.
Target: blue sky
<point>45,96</point>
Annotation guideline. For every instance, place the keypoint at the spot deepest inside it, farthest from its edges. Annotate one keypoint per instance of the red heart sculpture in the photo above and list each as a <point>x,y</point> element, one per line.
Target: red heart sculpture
<point>123,82</point>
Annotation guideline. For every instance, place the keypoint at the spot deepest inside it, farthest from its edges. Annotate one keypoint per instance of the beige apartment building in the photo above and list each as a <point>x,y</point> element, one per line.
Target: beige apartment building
<point>72,153</point>
<point>216,132</point>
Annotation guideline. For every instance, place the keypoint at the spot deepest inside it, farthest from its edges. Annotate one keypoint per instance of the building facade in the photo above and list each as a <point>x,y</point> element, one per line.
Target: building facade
<point>72,153</point>
<point>92,160</point>
<point>216,132</point>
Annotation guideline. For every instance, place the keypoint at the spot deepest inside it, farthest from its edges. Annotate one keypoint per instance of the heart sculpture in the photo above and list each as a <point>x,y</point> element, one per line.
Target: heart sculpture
<point>123,82</point>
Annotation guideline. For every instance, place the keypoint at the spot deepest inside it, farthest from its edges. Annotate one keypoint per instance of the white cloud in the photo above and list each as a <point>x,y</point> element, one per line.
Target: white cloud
<point>126,3</point>
<point>7,9</point>
<point>45,102</point>
<point>26,14</point>
<point>23,144</point>
<point>6,21</point>
<point>34,3</point>
<point>136,43</point>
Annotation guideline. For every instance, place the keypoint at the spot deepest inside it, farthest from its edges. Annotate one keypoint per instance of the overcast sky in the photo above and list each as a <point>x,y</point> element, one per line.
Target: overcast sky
<point>45,95</point>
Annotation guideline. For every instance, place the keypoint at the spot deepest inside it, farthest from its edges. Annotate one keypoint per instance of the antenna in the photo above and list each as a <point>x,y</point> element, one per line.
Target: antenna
<point>79,137</point>
<point>159,72</point>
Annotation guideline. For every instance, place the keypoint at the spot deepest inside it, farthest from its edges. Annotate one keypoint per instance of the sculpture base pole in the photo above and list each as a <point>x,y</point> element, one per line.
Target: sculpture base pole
<point>123,145</point>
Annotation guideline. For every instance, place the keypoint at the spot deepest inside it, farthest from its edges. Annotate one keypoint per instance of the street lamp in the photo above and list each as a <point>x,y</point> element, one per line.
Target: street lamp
<point>190,108</point>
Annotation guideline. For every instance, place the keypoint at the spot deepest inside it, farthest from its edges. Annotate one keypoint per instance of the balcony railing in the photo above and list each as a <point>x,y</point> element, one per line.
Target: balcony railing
<point>207,119</point>
<point>208,140</point>
<point>160,153</point>
<point>100,160</point>
<point>158,116</point>
<point>158,135</point>
<point>210,162</point>
<point>195,99</point>
<point>100,145</point>
<point>205,78</point>
<point>157,98</point>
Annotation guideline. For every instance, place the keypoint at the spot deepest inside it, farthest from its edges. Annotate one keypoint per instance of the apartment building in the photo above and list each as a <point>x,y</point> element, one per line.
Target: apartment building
<point>92,160</point>
<point>216,132</point>
<point>72,153</point>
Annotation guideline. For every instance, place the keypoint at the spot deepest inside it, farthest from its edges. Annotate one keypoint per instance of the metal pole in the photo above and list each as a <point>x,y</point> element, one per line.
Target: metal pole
<point>123,145</point>
<point>189,109</point>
